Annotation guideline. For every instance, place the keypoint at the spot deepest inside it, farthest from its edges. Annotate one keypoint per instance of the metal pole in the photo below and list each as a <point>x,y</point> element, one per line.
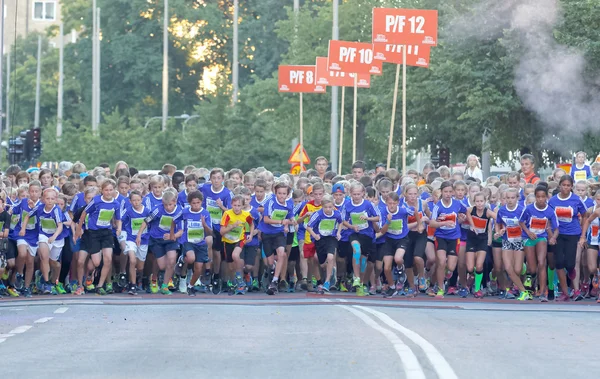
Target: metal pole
<point>8,92</point>
<point>36,122</point>
<point>404,111</point>
<point>1,62</point>
<point>98,76</point>
<point>235,66</point>
<point>334,127</point>
<point>59,102</point>
<point>94,71</point>
<point>485,155</point>
<point>165,73</point>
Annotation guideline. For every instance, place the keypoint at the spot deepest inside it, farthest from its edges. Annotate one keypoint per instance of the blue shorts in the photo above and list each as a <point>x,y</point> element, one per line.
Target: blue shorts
<point>200,251</point>
<point>160,247</point>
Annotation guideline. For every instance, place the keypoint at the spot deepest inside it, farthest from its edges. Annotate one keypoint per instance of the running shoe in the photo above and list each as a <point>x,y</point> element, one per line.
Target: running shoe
<point>524,296</point>
<point>38,280</point>
<point>585,289</point>
<point>79,291</point>
<point>356,282</point>
<point>53,290</point>
<point>89,285</point>
<point>314,281</point>
<point>320,289</point>
<point>577,296</point>
<point>333,278</point>
<point>373,290</point>
<point>153,287</point>
<point>595,282</point>
<point>430,292</point>
<point>509,295</point>
<point>594,292</point>
<point>422,284</point>
<point>463,292</point>
<point>3,290</point>
<point>451,291</point>
<point>60,288</point>
<point>101,291</point>
<point>191,291</point>
<point>439,294</point>
<point>272,289</point>
<point>389,292</point>
<point>122,282</point>
<point>132,289</point>
<point>551,295</point>
<point>327,286</point>
<point>248,280</point>
<point>283,286</point>
<point>182,285</point>
<point>12,292</point>
<point>171,285</point>
<point>543,298</point>
<point>478,295</point>
<point>304,285</point>
<point>563,298</point>
<point>46,289</point>
<point>255,285</point>
<point>528,283</point>
<point>164,289</point>
<point>493,284</point>
<point>572,274</point>
<point>411,292</point>
<point>360,291</point>
<point>343,287</point>
<point>179,267</point>
<point>109,287</point>
<point>27,292</point>
<point>19,281</point>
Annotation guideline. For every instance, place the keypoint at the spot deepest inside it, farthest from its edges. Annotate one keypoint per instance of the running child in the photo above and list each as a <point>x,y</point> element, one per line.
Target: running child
<point>479,216</point>
<point>132,219</point>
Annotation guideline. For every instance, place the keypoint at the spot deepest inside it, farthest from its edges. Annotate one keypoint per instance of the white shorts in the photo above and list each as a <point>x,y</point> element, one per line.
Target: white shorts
<point>123,237</point>
<point>141,252</point>
<point>32,249</point>
<point>54,248</point>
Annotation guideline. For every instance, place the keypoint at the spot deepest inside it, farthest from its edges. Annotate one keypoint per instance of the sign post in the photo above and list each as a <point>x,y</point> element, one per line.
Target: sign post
<point>299,79</point>
<point>353,58</point>
<point>410,32</point>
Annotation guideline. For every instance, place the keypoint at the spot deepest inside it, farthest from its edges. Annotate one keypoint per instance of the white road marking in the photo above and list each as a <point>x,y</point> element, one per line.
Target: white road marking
<point>43,320</point>
<point>342,300</point>
<point>20,329</point>
<point>15,309</point>
<point>326,300</point>
<point>410,363</point>
<point>61,310</point>
<point>439,363</point>
<point>2,340</point>
<point>6,335</point>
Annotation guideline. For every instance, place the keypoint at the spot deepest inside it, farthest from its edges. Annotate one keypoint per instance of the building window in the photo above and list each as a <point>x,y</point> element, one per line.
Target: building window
<point>44,10</point>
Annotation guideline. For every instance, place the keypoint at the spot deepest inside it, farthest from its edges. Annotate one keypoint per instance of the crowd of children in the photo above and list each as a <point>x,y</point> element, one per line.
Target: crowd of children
<point>433,233</point>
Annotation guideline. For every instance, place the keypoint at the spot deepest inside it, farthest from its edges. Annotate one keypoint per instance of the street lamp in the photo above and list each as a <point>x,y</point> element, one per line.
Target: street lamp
<point>182,117</point>
<point>188,120</point>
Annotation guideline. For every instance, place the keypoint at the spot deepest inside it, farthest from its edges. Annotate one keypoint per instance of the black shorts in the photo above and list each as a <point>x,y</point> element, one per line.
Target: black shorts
<point>200,251</point>
<point>289,238</point>
<point>497,244</point>
<point>565,251</point>
<point>117,246</point>
<point>249,254</point>
<point>450,246</point>
<point>326,245</point>
<point>367,247</point>
<point>272,242</point>
<point>294,254</point>
<point>228,250</point>
<point>477,244</point>
<point>416,244</point>
<point>593,247</point>
<point>160,247</point>
<point>391,245</point>
<point>217,244</point>
<point>344,249</point>
<point>11,250</point>
<point>98,240</point>
<point>380,251</point>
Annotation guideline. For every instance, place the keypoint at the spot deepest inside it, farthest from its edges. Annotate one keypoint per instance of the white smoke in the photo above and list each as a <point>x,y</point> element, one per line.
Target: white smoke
<point>549,77</point>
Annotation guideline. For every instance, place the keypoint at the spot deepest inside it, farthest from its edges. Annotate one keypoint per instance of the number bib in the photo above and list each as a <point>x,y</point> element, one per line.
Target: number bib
<point>564,214</point>
<point>537,225</point>
<point>136,225</point>
<point>326,227</point>
<point>216,213</point>
<point>195,232</point>
<point>165,223</point>
<point>105,217</point>
<point>396,227</point>
<point>48,225</point>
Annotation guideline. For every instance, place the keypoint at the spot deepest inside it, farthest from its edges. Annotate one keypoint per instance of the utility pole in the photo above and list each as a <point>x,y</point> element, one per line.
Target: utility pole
<point>1,61</point>
<point>8,93</point>
<point>36,122</point>
<point>98,71</point>
<point>333,143</point>
<point>94,70</point>
<point>165,73</point>
<point>59,102</point>
<point>235,67</point>
<point>485,155</point>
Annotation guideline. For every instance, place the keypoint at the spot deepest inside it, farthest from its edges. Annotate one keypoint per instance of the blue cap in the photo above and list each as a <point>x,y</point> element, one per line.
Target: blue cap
<point>83,175</point>
<point>32,169</point>
<point>338,187</point>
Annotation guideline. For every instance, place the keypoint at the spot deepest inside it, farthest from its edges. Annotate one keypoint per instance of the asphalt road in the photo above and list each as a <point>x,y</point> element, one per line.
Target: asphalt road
<point>295,336</point>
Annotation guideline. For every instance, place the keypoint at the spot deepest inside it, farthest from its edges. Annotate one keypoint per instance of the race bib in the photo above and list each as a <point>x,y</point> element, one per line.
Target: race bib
<point>31,223</point>
<point>235,234</point>
<point>279,214</point>
<point>195,232</point>
<point>396,227</point>
<point>580,175</point>
<point>447,217</point>
<point>480,224</point>
<point>14,220</point>
<point>105,217</point>
<point>48,225</point>
<point>513,233</point>
<point>326,227</point>
<point>136,225</point>
<point>165,223</point>
<point>537,225</point>
<point>356,221</point>
<point>216,213</point>
<point>564,214</point>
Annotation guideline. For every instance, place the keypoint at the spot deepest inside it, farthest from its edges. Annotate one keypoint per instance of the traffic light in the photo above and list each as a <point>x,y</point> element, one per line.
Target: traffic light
<point>435,160</point>
<point>36,143</point>
<point>27,138</point>
<point>444,155</point>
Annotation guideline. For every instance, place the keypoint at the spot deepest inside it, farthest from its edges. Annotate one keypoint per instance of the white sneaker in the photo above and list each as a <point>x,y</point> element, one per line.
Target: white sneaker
<point>182,285</point>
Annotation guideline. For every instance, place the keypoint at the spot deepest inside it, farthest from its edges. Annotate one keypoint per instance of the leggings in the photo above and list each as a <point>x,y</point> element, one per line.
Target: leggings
<point>565,251</point>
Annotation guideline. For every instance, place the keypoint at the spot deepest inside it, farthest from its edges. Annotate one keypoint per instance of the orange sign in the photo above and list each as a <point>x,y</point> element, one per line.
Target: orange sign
<point>296,169</point>
<point>405,26</point>
<point>294,79</point>
<point>330,78</point>
<point>416,55</point>
<point>299,156</point>
<point>353,57</point>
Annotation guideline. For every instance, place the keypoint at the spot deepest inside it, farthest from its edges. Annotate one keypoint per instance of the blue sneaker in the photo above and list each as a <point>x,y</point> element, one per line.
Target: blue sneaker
<point>463,292</point>
<point>509,296</point>
<point>326,286</point>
